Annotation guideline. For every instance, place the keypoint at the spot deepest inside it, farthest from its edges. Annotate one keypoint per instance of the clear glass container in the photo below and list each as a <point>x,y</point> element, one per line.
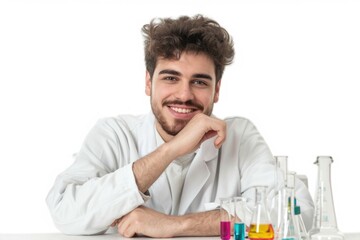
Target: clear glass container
<point>301,224</point>
<point>260,225</point>
<point>289,227</point>
<point>226,210</point>
<point>324,223</point>
<point>242,217</point>
<point>276,210</point>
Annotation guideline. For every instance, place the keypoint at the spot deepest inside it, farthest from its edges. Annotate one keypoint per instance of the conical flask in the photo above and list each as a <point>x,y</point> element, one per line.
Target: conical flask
<point>324,223</point>
<point>260,225</point>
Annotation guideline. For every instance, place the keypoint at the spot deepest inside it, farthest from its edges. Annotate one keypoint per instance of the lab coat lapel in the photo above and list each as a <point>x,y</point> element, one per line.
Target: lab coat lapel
<point>146,135</point>
<point>147,144</point>
<point>197,175</point>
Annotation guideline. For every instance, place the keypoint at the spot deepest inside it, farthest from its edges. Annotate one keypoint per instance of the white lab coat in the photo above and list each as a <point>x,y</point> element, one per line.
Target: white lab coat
<point>100,187</point>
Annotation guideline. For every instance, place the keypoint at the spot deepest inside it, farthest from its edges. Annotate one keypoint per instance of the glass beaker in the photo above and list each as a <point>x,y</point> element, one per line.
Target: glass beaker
<point>226,208</point>
<point>242,217</point>
<point>324,223</point>
<point>260,225</point>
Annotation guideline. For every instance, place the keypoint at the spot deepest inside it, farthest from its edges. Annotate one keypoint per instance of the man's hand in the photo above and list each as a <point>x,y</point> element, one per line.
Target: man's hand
<point>148,222</point>
<point>200,128</point>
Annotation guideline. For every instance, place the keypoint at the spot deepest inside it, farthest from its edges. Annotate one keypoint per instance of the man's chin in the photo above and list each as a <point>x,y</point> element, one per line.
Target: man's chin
<point>174,130</point>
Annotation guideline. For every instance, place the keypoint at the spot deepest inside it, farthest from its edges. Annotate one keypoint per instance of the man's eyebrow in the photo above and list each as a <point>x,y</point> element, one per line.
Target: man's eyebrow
<point>202,75</point>
<point>176,73</point>
<point>169,71</point>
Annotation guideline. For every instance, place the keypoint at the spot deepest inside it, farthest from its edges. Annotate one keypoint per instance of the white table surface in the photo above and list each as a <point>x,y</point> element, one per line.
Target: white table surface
<point>59,236</point>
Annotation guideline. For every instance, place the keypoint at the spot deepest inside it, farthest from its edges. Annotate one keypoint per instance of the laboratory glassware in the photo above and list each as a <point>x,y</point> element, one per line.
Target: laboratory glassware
<point>226,208</point>
<point>289,228</point>
<point>276,210</point>
<point>324,221</point>
<point>300,222</point>
<point>260,225</point>
<point>242,215</point>
<point>282,164</point>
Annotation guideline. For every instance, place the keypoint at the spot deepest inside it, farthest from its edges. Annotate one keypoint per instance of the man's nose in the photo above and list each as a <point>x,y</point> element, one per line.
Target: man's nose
<point>184,92</point>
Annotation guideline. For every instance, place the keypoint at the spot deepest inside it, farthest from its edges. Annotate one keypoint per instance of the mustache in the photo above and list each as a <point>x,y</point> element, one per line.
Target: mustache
<point>188,103</point>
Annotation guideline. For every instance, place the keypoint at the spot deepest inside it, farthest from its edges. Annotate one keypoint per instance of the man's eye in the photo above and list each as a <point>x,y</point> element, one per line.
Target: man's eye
<point>170,78</point>
<point>199,82</point>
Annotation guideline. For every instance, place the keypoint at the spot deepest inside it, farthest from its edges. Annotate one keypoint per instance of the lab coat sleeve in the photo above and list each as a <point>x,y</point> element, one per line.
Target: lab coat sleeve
<point>256,163</point>
<point>99,186</point>
<point>257,168</point>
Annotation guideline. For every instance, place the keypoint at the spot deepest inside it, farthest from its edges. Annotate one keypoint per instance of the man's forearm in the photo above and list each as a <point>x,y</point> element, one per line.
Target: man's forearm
<point>147,169</point>
<point>145,221</point>
<point>200,224</point>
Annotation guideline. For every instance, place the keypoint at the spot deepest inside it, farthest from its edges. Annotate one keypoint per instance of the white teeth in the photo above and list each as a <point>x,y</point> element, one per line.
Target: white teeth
<point>181,110</point>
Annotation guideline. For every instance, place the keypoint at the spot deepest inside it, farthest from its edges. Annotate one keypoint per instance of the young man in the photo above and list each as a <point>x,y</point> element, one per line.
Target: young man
<point>161,174</point>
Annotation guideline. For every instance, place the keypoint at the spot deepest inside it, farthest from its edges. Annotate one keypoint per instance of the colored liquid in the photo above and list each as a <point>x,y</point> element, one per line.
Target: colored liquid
<point>239,231</point>
<point>225,230</point>
<point>261,232</point>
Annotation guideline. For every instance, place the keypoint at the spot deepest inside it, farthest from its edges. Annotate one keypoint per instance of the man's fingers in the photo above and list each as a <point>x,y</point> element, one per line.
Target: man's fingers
<point>208,135</point>
<point>221,133</point>
<point>221,136</point>
<point>127,227</point>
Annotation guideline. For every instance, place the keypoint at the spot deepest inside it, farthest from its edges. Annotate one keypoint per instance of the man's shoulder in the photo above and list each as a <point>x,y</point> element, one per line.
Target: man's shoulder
<point>239,124</point>
<point>126,121</point>
<point>237,120</point>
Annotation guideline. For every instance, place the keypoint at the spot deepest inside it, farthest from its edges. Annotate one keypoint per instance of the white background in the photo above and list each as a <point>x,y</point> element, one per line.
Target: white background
<point>65,64</point>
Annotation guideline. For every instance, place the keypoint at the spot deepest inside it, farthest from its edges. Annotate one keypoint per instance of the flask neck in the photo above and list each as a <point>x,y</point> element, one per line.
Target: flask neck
<point>324,169</point>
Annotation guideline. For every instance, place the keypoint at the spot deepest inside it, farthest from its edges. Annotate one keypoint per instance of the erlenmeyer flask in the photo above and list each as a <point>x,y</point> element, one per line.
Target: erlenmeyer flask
<point>324,223</point>
<point>260,225</point>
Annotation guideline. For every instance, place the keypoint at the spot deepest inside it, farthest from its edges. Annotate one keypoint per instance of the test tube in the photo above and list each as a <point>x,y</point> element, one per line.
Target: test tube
<point>225,218</point>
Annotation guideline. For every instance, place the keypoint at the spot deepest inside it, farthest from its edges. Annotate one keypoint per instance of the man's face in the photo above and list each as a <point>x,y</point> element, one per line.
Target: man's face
<point>180,89</point>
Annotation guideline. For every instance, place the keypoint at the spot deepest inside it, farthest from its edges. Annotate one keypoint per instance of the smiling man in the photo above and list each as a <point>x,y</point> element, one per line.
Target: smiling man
<point>162,174</point>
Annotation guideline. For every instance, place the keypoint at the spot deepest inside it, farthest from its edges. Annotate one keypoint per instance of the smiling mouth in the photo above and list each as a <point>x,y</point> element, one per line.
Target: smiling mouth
<point>182,110</point>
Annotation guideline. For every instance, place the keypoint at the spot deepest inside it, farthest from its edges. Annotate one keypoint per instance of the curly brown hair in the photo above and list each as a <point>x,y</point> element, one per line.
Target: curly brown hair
<point>168,38</point>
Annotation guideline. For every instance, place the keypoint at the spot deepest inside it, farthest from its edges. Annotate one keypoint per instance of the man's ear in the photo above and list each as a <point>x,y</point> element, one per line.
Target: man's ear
<point>217,91</point>
<point>147,83</point>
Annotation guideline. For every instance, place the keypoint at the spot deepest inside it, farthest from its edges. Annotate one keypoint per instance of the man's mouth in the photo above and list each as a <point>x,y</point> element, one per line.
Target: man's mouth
<point>182,110</point>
